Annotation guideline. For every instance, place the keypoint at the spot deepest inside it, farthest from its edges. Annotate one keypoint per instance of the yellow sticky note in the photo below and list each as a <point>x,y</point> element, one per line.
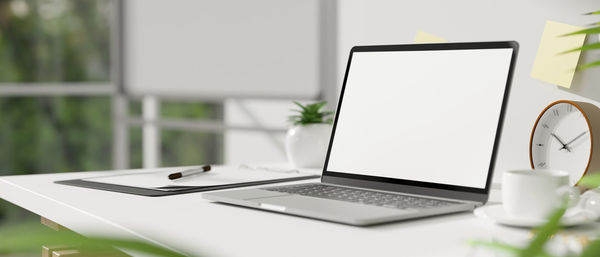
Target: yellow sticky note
<point>424,37</point>
<point>552,66</point>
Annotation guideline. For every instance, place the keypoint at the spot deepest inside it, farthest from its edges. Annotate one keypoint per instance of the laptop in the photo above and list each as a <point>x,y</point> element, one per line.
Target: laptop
<point>415,134</point>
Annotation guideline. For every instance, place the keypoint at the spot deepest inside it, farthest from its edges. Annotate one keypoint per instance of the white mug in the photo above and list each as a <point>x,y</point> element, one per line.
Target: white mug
<point>535,194</point>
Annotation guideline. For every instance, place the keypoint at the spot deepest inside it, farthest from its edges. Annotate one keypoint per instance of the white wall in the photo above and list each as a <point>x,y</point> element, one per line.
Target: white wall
<point>363,22</point>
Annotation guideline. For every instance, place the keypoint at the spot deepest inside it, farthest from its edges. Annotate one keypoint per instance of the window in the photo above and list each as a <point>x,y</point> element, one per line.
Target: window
<point>48,43</point>
<point>58,88</point>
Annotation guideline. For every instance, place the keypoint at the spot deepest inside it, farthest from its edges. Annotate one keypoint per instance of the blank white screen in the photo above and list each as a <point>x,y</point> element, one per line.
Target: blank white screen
<point>427,116</point>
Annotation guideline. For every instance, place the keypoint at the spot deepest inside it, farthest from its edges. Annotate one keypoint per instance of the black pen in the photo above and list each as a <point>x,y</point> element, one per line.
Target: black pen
<point>189,172</point>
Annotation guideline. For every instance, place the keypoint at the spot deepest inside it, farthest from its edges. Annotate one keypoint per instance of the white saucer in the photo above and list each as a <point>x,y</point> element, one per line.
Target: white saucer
<point>497,214</point>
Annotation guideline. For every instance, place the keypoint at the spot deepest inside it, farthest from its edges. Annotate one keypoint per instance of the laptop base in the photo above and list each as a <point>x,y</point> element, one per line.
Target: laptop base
<point>326,209</point>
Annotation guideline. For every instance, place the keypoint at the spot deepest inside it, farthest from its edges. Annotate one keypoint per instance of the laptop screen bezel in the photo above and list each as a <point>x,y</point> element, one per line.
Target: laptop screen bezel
<point>420,187</point>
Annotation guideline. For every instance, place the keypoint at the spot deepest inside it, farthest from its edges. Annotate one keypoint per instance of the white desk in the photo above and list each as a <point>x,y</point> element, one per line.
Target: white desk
<point>193,225</point>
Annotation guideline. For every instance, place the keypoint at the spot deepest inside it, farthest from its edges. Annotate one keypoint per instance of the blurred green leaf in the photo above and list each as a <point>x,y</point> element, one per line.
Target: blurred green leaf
<point>496,245</point>
<point>593,46</point>
<point>591,180</point>
<point>300,105</point>
<point>592,249</point>
<point>588,65</point>
<point>544,233</point>
<point>24,238</point>
<point>584,48</point>
<point>593,30</point>
<point>536,246</point>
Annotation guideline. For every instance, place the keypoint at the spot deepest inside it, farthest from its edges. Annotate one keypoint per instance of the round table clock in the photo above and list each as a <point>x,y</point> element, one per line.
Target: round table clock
<point>566,136</point>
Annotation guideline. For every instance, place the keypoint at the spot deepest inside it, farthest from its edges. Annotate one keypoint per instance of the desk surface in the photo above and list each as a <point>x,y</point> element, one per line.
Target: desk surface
<point>190,224</point>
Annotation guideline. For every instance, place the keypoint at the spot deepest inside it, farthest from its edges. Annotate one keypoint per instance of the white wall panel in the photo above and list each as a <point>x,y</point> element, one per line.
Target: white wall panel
<point>224,48</point>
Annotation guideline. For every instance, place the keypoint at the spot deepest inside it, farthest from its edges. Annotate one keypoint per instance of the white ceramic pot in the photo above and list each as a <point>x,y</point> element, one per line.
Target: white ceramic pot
<point>306,145</point>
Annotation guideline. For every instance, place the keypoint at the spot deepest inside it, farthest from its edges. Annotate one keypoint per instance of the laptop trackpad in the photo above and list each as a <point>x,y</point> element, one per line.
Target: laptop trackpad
<point>325,208</point>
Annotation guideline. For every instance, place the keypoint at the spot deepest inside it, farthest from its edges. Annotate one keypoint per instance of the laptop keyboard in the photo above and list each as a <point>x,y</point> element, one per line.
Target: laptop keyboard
<point>361,196</point>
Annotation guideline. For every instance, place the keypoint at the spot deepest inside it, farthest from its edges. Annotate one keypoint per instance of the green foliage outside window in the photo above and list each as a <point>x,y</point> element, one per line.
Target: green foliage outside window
<point>53,41</point>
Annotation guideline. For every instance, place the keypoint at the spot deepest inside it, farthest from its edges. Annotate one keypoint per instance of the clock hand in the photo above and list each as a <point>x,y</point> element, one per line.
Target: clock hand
<point>561,142</point>
<point>580,135</point>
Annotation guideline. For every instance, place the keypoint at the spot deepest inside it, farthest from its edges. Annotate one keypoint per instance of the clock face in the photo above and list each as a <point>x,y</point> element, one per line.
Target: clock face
<point>561,140</point>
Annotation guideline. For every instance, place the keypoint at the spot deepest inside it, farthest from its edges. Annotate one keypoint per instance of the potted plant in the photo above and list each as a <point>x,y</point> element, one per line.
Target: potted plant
<point>307,139</point>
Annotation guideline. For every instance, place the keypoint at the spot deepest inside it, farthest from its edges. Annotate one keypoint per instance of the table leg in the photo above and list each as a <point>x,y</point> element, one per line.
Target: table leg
<point>72,250</point>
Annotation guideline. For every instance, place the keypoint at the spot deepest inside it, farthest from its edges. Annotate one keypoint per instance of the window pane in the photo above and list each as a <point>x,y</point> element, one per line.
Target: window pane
<point>55,134</point>
<point>135,148</point>
<point>191,110</point>
<point>190,148</point>
<point>180,147</point>
<point>55,40</point>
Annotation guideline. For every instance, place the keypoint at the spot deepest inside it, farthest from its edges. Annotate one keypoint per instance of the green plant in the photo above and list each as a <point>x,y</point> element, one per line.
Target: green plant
<point>311,114</point>
<point>29,237</point>
<point>547,231</point>
<point>592,30</point>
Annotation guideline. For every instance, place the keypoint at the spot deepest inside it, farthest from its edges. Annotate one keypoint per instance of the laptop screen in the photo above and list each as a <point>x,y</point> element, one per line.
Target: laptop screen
<point>423,115</point>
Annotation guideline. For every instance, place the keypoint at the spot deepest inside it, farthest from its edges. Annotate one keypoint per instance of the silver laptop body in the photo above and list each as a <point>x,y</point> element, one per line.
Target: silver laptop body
<point>416,133</point>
